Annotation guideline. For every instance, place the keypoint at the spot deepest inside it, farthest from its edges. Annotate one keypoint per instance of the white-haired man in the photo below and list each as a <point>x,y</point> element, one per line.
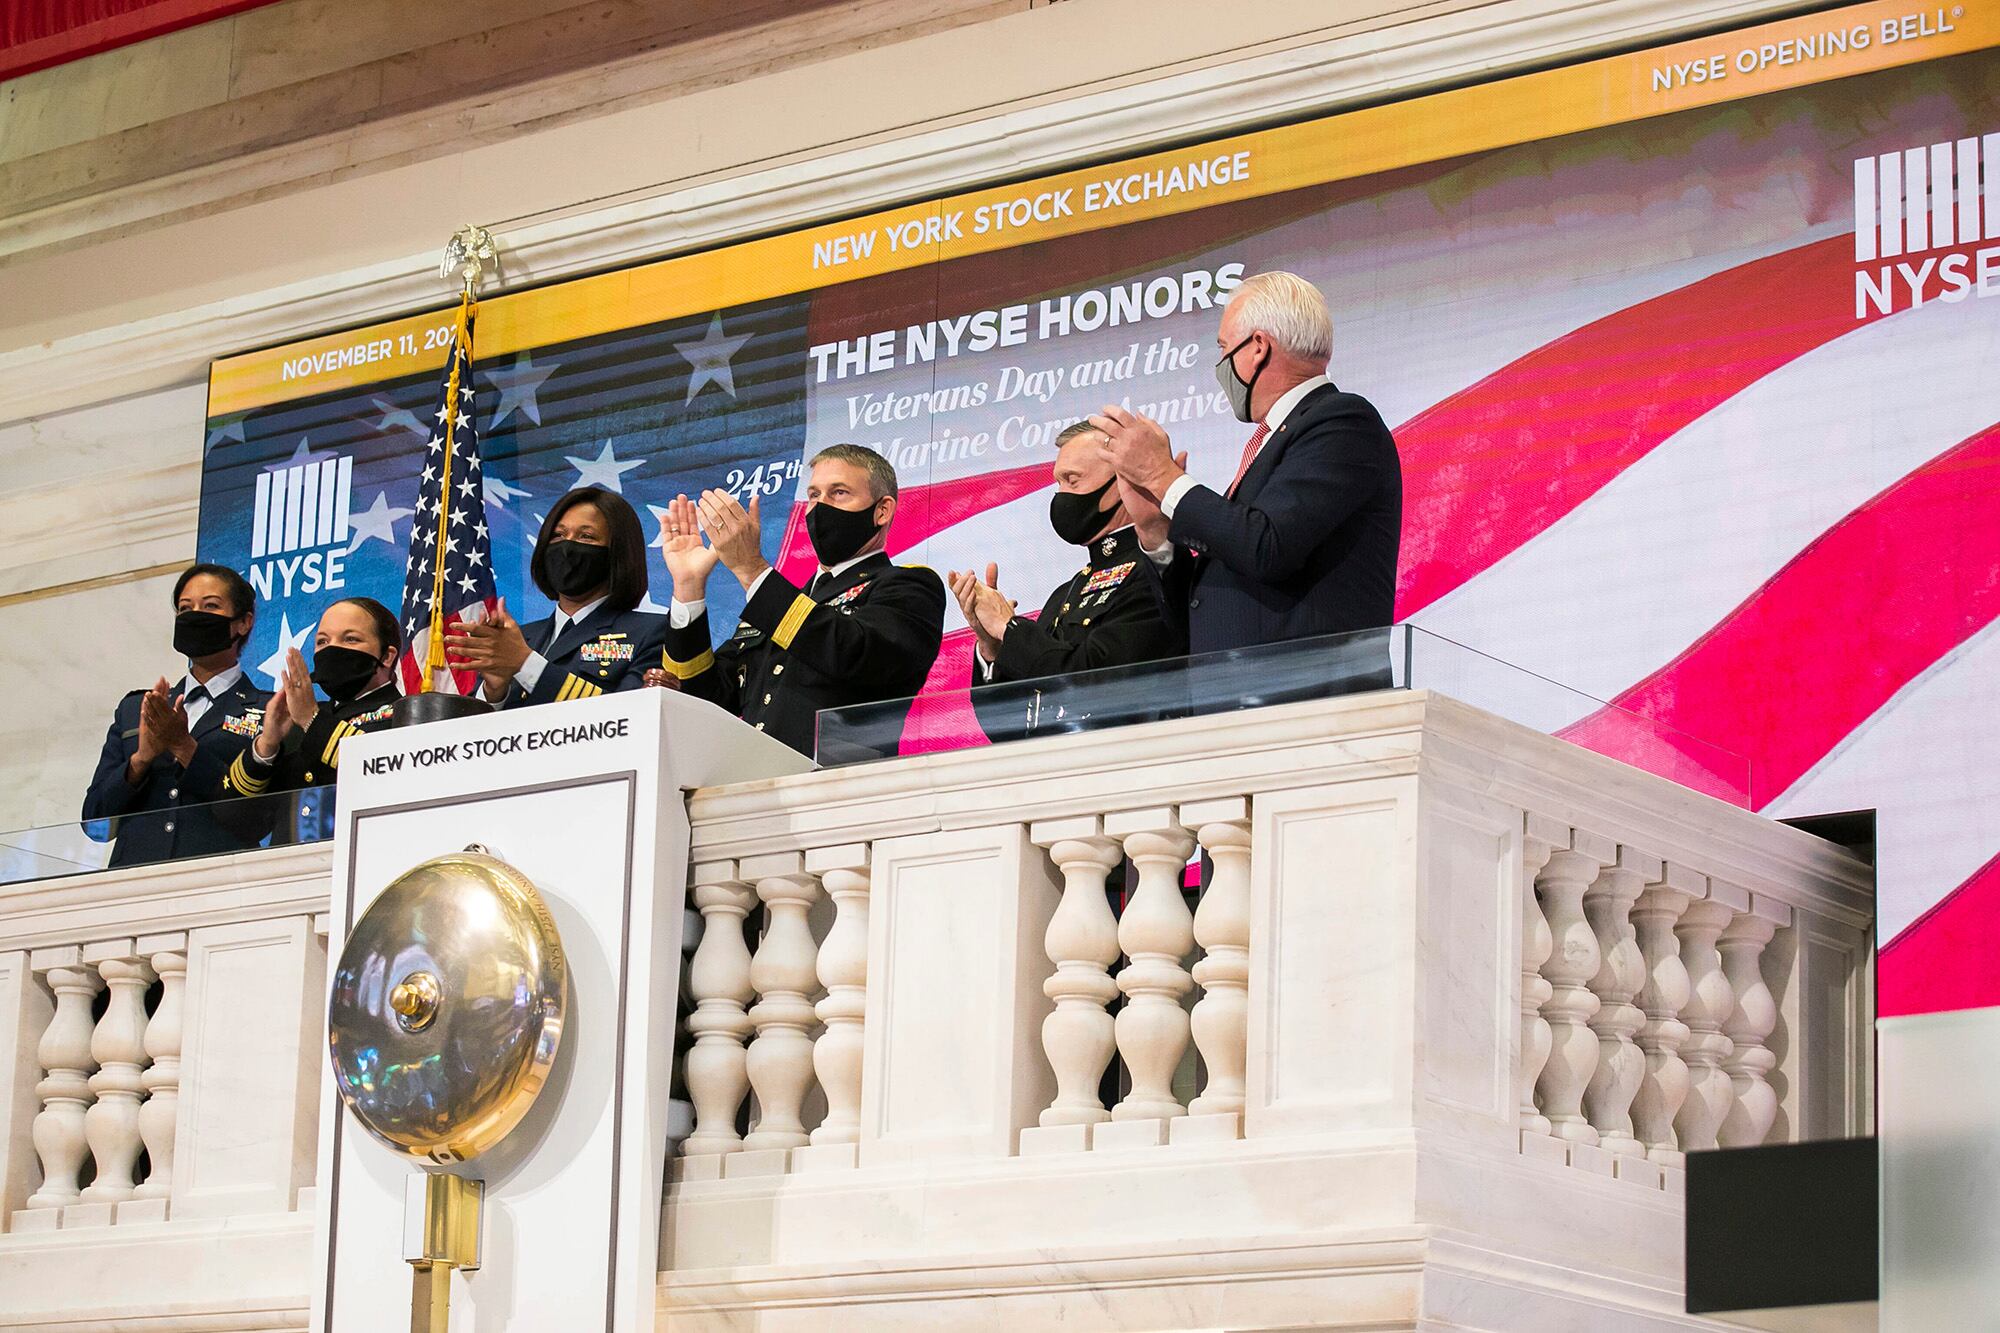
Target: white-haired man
<point>1303,541</point>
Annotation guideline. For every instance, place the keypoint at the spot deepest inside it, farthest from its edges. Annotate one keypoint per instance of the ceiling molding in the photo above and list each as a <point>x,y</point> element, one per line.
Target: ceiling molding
<point>1313,77</point>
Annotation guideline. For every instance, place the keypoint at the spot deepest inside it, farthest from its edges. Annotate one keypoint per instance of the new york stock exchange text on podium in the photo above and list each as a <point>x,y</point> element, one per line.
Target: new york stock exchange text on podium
<point>1431,1042</point>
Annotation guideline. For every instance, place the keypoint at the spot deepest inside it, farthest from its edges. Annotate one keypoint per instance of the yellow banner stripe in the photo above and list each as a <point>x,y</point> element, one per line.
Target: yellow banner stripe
<point>1523,109</point>
<point>795,616</point>
<point>688,670</point>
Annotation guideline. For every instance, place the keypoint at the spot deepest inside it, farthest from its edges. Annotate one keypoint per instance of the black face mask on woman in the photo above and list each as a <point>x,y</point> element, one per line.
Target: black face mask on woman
<point>202,634</point>
<point>576,568</point>
<point>343,672</point>
<point>838,533</point>
<point>1076,517</point>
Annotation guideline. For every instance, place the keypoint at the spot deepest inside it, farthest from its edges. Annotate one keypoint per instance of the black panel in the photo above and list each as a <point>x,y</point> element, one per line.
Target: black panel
<point>1788,1224</point>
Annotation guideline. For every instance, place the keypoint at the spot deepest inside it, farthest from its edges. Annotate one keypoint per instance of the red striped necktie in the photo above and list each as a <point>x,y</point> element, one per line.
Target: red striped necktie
<point>1249,457</point>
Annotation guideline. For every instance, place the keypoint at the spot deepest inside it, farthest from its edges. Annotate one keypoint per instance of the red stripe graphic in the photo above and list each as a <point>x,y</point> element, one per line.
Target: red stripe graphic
<point>1948,958</point>
<point>922,512</point>
<point>1490,467</point>
<point>1874,602</point>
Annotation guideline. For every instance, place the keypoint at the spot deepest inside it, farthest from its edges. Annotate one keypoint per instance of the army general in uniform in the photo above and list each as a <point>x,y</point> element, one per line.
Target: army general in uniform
<point>862,630</point>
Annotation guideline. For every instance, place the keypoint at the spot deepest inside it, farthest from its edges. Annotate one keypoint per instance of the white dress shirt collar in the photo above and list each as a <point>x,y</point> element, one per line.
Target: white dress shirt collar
<point>1291,398</point>
<point>584,612</point>
<point>220,683</point>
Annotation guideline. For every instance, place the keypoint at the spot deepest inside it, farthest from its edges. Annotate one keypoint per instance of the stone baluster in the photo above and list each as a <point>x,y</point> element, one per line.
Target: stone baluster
<point>1082,942</point>
<point>162,1079</point>
<point>719,983</point>
<point>843,971</point>
<point>1621,972</point>
<point>1711,1001</point>
<point>1220,1022</point>
<point>1661,999</point>
<point>1157,934</point>
<point>64,1052</point>
<point>785,972</point>
<point>1543,837</point>
<point>1573,961</point>
<point>118,1045</point>
<point>1750,1060</point>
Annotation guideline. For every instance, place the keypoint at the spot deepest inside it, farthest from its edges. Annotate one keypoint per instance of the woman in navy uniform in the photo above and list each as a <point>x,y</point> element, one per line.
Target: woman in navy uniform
<point>169,748</point>
<point>354,662</point>
<point>591,559</point>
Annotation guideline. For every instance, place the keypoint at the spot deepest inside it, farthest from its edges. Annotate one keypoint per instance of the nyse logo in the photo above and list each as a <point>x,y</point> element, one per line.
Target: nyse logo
<point>299,511</point>
<point>1924,223</point>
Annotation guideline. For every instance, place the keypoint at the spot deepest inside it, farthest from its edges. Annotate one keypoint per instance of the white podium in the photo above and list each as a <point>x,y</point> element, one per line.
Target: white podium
<point>586,799</point>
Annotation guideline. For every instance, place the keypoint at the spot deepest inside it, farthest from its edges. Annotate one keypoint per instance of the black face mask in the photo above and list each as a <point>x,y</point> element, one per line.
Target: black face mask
<point>202,634</point>
<point>838,533</point>
<point>1076,517</point>
<point>343,672</point>
<point>576,568</point>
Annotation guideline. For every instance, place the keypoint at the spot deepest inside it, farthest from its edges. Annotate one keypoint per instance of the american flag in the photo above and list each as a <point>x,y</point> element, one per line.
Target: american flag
<point>450,494</point>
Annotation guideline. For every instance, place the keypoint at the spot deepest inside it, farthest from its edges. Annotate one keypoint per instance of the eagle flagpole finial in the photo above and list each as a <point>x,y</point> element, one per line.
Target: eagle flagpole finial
<point>466,256</point>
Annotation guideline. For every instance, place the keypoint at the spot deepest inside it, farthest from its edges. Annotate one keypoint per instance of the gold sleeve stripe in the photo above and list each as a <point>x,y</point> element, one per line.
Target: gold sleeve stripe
<point>795,616</point>
<point>341,731</point>
<point>689,670</point>
<point>576,687</point>
<point>242,782</point>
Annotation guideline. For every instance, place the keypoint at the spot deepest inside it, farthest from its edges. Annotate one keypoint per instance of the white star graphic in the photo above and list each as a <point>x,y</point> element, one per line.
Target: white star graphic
<point>378,520</point>
<point>710,359</point>
<point>518,387</point>
<point>461,421</point>
<point>300,457</point>
<point>396,418</point>
<point>466,583</point>
<point>274,665</point>
<point>605,470</point>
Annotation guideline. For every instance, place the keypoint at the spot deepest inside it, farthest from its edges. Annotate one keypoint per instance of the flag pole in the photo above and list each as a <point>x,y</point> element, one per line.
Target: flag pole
<point>461,355</point>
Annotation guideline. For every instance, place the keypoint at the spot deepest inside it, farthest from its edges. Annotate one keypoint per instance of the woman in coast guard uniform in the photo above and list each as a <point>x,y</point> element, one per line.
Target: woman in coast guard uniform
<point>169,747</point>
<point>591,559</point>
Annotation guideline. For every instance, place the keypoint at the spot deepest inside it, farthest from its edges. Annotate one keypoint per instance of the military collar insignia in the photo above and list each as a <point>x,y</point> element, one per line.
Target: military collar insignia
<point>1108,545</point>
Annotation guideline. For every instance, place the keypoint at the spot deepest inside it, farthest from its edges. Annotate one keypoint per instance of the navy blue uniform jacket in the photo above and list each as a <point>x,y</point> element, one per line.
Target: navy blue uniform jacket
<point>1308,544</point>
<point>161,818</point>
<point>606,650</point>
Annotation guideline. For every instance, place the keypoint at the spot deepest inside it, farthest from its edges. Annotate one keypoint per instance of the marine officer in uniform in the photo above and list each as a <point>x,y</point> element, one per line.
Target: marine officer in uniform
<point>864,629</point>
<point>1106,615</point>
<point>590,558</point>
<point>354,662</point>
<point>169,747</point>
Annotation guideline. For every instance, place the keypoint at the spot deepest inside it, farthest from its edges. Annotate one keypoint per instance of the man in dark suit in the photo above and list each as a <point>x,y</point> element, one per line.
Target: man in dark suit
<point>1106,615</point>
<point>863,630</point>
<point>1303,542</point>
<point>169,748</point>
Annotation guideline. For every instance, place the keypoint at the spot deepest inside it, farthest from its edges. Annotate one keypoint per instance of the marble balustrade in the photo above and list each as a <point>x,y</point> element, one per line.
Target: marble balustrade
<point>1418,924</point>
<point>1444,978</point>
